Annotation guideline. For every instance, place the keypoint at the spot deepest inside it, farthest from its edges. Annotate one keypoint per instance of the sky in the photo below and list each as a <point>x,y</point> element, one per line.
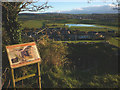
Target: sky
<point>67,5</point>
<point>58,0</point>
<point>76,0</point>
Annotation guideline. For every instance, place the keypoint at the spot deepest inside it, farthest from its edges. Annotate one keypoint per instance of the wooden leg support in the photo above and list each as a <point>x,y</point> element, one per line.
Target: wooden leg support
<point>28,76</point>
<point>39,75</point>
<point>13,79</point>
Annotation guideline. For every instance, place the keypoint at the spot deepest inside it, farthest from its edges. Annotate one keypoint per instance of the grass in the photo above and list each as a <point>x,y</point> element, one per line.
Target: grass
<point>56,25</point>
<point>79,73</point>
<point>32,24</point>
<point>64,21</point>
<point>88,41</point>
<point>90,66</point>
<point>50,23</point>
<point>104,28</point>
<point>58,77</point>
<point>88,28</point>
<point>114,41</point>
<point>110,27</point>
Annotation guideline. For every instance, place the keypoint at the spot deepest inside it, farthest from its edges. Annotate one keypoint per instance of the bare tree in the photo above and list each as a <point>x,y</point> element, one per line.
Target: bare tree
<point>11,25</point>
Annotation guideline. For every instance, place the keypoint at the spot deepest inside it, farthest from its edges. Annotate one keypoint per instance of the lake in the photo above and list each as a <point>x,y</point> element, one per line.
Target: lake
<point>81,25</point>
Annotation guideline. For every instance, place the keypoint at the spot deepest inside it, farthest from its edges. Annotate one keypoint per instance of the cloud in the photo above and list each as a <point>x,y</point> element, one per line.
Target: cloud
<point>78,9</point>
<point>80,0</point>
<point>100,9</point>
<point>92,9</point>
<point>111,5</point>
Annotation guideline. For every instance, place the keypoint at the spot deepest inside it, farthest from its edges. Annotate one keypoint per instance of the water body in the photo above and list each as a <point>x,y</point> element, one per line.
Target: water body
<point>81,25</point>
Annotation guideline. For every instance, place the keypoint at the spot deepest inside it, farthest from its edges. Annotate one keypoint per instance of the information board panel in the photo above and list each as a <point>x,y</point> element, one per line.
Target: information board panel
<point>23,54</point>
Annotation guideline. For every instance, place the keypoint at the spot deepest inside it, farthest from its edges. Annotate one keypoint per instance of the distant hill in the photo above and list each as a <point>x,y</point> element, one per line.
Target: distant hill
<point>98,9</point>
<point>93,9</point>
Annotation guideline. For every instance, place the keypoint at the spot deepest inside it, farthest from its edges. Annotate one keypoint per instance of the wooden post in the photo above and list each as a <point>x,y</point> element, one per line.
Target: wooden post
<point>37,60</point>
<point>13,79</point>
<point>28,76</point>
<point>39,78</point>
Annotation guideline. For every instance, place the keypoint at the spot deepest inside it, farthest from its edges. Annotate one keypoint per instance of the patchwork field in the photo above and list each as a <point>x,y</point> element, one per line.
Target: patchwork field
<point>32,24</point>
<point>58,24</point>
<point>39,24</point>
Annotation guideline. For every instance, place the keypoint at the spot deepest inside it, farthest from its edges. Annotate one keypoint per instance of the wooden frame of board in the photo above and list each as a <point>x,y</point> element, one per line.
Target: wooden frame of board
<point>21,55</point>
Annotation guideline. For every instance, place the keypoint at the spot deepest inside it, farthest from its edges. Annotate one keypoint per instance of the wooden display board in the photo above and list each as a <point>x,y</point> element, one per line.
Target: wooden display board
<point>21,55</point>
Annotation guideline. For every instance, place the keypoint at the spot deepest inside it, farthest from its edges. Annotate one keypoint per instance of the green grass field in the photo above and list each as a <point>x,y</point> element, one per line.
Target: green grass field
<point>56,24</point>
<point>32,24</point>
<point>87,41</point>
<point>88,28</point>
<point>104,28</point>
<point>109,27</point>
<point>114,41</point>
